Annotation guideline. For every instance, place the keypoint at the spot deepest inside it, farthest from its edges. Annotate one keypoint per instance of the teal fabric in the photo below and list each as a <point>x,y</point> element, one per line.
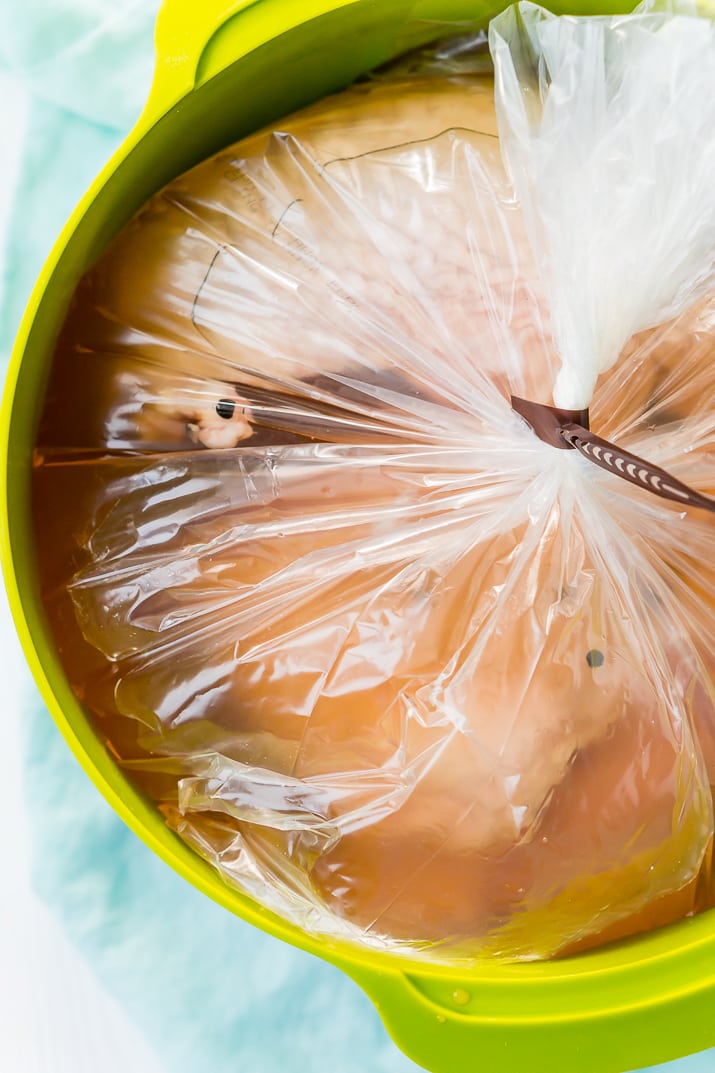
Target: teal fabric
<point>210,993</point>
<point>92,57</point>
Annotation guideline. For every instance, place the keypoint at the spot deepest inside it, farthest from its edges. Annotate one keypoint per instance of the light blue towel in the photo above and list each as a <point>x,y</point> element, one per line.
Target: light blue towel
<point>211,994</point>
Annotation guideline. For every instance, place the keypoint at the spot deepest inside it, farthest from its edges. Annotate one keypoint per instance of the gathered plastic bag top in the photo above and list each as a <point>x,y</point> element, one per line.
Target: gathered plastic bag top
<point>401,666</point>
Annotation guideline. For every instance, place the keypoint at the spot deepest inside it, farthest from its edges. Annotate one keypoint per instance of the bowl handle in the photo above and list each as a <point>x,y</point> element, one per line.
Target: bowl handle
<point>430,1021</point>
<point>452,1023</point>
<point>183,30</point>
<point>459,1023</point>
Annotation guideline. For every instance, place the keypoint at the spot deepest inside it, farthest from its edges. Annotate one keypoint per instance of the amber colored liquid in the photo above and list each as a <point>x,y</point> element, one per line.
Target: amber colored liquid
<point>546,823</point>
<point>447,862</point>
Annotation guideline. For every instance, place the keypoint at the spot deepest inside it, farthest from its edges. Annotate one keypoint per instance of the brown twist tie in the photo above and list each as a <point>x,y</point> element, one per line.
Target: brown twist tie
<point>569,429</point>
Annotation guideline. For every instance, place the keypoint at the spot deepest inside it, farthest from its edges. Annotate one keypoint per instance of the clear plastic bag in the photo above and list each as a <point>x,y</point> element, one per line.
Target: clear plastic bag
<point>397,667</point>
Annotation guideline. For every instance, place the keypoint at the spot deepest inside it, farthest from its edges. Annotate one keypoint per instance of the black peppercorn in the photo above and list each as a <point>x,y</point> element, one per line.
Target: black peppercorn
<point>225,408</point>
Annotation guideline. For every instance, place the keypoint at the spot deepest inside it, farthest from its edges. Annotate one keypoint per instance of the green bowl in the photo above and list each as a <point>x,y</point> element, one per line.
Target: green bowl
<point>225,68</point>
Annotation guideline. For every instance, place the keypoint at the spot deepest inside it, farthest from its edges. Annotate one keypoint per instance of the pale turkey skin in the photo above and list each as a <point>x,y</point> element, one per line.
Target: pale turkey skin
<point>450,776</point>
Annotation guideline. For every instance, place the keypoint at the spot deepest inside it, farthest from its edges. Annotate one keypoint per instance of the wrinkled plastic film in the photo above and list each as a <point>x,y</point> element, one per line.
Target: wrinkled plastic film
<point>397,668</point>
<point>616,186</point>
<point>357,749</point>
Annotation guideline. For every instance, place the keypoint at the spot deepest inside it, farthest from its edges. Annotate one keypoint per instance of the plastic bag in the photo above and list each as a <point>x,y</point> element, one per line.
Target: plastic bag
<point>398,668</point>
<point>616,185</point>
